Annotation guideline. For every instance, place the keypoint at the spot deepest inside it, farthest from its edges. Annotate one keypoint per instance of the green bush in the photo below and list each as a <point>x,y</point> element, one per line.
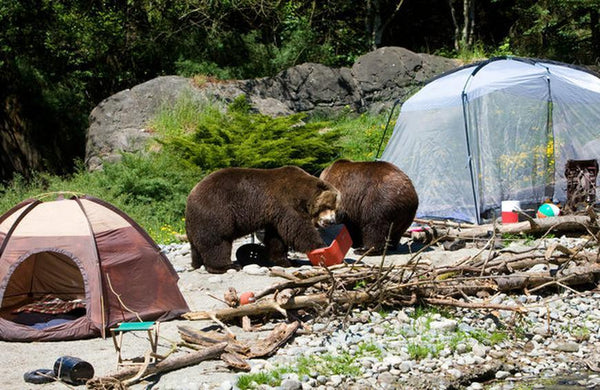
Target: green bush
<point>215,138</point>
<point>151,189</point>
<point>362,134</point>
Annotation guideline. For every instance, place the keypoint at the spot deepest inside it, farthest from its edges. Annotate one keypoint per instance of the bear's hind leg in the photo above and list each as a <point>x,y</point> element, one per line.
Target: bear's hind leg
<point>217,258</point>
<point>196,259</point>
<point>375,235</point>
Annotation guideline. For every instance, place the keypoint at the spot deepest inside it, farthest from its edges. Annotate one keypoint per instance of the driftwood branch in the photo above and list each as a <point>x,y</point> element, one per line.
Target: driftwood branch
<point>567,223</point>
<point>170,364</point>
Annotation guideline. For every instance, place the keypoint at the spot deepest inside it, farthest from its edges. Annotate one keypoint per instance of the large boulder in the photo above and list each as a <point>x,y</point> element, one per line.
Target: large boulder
<point>391,73</point>
<point>119,123</point>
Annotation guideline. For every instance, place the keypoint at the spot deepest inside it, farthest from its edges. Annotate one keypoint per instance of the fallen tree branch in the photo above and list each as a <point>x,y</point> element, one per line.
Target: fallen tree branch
<point>170,364</point>
<point>567,223</point>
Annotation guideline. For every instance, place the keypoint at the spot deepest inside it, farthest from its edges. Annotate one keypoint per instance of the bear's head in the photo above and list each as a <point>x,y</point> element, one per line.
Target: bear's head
<point>322,207</point>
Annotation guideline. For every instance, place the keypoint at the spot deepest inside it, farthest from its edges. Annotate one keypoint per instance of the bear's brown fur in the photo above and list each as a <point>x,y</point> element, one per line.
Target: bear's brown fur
<point>374,195</point>
<point>286,202</point>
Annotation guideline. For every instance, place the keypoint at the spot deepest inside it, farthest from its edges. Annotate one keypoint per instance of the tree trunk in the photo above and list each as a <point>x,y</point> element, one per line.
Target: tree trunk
<point>595,28</point>
<point>377,22</point>
<point>455,24</point>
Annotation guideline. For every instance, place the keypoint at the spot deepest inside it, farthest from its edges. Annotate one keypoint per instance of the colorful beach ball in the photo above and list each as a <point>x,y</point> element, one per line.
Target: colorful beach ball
<point>548,210</point>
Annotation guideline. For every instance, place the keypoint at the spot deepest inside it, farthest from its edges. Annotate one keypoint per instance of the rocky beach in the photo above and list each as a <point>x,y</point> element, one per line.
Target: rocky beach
<point>552,341</point>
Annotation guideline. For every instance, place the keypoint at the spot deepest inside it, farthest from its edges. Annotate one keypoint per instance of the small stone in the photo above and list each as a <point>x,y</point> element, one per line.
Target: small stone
<point>255,269</point>
<point>502,374</point>
<point>336,380</point>
<point>291,384</point>
<point>567,347</point>
<point>445,325</point>
<point>405,367</point>
<point>461,348</point>
<point>378,330</point>
<point>402,317</point>
<point>456,373</point>
<point>386,378</point>
<point>226,385</point>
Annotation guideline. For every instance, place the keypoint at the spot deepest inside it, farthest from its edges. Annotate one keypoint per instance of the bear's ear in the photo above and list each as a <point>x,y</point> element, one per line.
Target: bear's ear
<point>323,186</point>
<point>328,199</point>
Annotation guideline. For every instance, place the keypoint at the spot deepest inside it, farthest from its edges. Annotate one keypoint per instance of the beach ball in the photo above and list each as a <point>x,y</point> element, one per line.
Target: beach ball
<point>548,210</point>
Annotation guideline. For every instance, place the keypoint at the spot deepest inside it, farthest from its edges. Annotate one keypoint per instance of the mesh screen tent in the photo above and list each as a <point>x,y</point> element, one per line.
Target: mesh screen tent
<point>501,129</point>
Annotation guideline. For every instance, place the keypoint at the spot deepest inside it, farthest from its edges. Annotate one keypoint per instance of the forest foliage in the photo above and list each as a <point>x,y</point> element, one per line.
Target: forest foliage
<point>59,59</point>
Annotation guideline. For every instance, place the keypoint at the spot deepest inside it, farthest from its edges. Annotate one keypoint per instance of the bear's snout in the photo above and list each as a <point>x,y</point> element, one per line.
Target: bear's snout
<point>326,218</point>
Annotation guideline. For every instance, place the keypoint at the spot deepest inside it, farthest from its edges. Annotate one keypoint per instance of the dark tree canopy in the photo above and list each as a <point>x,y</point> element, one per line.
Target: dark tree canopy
<point>58,59</point>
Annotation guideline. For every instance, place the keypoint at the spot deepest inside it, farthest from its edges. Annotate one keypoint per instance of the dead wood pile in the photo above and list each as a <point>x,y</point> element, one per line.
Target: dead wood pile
<point>465,284</point>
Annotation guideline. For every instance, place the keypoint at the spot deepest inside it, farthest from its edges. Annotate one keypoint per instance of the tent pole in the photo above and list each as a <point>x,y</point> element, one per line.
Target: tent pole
<point>386,128</point>
<point>470,157</point>
<point>550,133</point>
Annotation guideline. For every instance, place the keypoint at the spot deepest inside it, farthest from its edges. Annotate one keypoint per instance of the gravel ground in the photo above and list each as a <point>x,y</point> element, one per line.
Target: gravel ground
<point>557,337</point>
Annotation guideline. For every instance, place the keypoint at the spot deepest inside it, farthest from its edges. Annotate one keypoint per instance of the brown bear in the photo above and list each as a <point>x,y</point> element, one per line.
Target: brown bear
<point>374,195</point>
<point>287,202</point>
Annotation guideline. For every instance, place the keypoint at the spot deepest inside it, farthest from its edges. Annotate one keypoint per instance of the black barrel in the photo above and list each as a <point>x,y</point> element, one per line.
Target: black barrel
<point>73,370</point>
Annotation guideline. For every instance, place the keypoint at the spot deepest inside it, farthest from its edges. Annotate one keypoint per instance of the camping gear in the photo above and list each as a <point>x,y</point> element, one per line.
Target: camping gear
<point>253,253</point>
<point>149,327</point>
<point>73,268</point>
<point>501,129</point>
<point>73,370</point>
<point>510,211</point>
<point>581,183</point>
<point>40,376</point>
<point>548,210</point>
<point>247,297</point>
<point>338,241</point>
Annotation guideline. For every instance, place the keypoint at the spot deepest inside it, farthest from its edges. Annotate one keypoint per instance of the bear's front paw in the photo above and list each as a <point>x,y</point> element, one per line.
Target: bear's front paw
<point>282,262</point>
<point>367,251</point>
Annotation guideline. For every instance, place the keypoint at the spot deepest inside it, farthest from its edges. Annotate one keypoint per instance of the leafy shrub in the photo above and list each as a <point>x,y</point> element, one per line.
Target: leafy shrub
<point>216,138</point>
<point>362,134</point>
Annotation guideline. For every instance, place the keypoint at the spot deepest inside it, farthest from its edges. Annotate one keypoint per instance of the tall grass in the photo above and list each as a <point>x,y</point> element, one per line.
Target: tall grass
<point>152,186</point>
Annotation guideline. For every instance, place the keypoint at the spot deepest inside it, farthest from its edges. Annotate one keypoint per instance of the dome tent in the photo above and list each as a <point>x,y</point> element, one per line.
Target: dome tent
<point>501,129</point>
<point>72,268</point>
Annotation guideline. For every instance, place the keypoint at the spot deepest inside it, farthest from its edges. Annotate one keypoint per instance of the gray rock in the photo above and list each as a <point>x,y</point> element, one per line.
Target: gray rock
<point>567,347</point>
<point>386,378</point>
<point>120,122</point>
<point>502,374</point>
<point>291,384</point>
<point>444,325</point>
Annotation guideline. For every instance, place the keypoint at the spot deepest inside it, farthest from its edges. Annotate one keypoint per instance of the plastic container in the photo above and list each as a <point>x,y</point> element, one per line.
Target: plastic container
<point>509,211</point>
<point>339,242</point>
<point>73,370</point>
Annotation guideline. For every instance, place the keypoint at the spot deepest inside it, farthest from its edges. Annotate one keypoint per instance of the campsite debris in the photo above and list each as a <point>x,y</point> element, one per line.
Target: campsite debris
<point>278,336</point>
<point>73,370</point>
<point>581,183</point>
<point>116,379</point>
<point>235,361</point>
<point>247,297</point>
<point>231,297</point>
<point>40,376</point>
<point>208,339</point>
<point>490,271</point>
<point>259,348</point>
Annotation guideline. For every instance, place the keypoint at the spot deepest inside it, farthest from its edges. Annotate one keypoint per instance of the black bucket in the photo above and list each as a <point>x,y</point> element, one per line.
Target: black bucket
<point>73,370</point>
